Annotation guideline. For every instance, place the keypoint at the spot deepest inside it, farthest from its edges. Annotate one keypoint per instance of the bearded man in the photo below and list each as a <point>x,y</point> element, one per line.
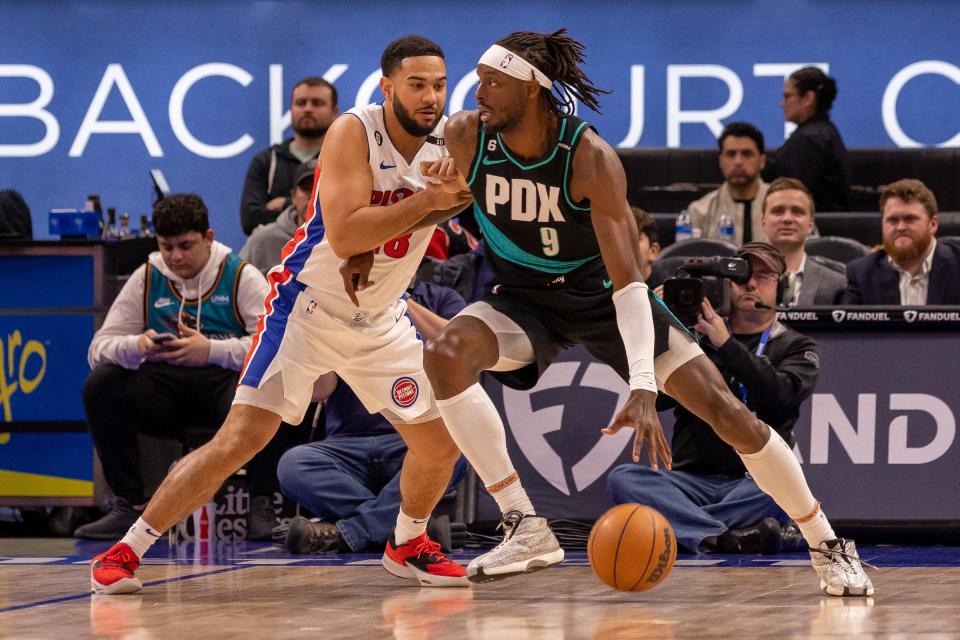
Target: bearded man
<point>913,269</point>
<point>266,189</point>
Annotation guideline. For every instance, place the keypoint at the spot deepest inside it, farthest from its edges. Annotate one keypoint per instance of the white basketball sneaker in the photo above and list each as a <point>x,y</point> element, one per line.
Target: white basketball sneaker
<point>840,569</point>
<point>528,545</point>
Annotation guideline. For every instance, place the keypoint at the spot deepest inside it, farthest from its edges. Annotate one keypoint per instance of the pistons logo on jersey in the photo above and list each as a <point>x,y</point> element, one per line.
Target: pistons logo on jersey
<point>405,392</point>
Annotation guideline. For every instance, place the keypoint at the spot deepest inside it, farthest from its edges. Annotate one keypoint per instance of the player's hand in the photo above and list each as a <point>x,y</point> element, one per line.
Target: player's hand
<point>355,272</point>
<point>640,414</point>
<point>149,349</point>
<point>192,349</point>
<point>712,325</point>
<point>444,170</point>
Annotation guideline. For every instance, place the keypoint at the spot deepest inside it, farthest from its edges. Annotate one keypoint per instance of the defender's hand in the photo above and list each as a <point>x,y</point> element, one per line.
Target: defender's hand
<point>445,171</point>
<point>640,414</point>
<point>190,350</point>
<point>712,325</point>
<point>355,272</point>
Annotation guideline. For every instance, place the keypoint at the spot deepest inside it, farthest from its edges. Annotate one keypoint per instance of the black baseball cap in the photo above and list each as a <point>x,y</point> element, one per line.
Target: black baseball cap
<point>304,171</point>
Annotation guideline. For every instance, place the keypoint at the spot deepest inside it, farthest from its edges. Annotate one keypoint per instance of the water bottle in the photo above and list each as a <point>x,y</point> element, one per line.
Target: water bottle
<point>684,228</point>
<point>110,232</point>
<point>726,227</point>
<point>146,229</point>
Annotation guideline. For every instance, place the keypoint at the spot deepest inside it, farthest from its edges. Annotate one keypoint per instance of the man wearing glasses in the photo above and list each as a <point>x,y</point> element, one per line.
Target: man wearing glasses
<point>708,498</point>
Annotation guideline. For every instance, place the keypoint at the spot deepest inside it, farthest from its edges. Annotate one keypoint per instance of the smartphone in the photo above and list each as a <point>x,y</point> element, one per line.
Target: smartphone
<point>163,337</point>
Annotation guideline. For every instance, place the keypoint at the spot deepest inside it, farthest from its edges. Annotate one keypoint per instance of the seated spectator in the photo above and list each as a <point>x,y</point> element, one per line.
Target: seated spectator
<point>788,221</point>
<point>913,268</point>
<point>814,154</point>
<point>262,249</point>
<point>707,497</point>
<point>742,159</point>
<point>351,479</point>
<point>266,189</point>
<point>168,354</point>
<point>15,222</point>
<point>649,241</point>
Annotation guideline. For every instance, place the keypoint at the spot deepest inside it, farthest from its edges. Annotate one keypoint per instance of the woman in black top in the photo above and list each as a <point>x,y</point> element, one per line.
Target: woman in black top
<point>815,153</point>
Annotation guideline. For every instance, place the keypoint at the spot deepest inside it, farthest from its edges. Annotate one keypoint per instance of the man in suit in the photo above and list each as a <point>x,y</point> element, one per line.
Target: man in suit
<point>787,221</point>
<point>913,269</point>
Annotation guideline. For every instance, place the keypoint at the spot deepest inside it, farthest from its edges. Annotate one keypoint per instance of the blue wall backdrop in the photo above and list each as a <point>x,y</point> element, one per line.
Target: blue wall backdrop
<point>94,94</point>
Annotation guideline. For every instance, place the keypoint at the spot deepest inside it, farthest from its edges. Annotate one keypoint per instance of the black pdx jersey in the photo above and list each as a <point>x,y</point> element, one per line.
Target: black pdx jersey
<point>535,234</point>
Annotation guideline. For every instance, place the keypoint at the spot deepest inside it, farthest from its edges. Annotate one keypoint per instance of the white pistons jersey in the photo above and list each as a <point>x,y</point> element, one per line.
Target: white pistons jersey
<point>311,259</point>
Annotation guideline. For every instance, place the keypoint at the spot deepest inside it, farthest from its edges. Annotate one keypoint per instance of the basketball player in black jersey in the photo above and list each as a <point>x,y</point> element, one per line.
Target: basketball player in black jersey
<point>550,198</point>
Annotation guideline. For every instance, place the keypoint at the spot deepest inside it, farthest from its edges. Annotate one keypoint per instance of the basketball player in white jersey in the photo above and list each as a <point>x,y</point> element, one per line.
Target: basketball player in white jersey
<point>369,194</point>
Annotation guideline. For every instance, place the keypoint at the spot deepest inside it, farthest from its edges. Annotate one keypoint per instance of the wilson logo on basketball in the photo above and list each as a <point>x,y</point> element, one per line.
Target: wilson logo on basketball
<point>663,559</point>
<point>405,392</point>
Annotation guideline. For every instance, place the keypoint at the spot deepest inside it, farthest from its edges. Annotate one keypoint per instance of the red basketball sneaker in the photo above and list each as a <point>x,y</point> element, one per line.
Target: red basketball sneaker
<point>422,560</point>
<point>111,572</point>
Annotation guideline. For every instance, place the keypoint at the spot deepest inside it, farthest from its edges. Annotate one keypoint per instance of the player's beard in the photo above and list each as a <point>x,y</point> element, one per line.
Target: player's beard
<point>409,124</point>
<point>911,254</point>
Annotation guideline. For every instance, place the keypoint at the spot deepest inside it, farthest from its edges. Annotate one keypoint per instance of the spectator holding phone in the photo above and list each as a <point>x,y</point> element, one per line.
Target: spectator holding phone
<point>168,354</point>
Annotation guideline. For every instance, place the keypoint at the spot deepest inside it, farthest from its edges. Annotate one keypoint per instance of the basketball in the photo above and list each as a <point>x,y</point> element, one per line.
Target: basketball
<point>632,547</point>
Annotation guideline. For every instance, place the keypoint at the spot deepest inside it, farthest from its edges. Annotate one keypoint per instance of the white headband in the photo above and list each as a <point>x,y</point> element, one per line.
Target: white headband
<point>512,64</point>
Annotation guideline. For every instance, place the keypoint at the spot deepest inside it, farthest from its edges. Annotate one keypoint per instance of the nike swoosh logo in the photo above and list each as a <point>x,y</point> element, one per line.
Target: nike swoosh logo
<point>487,161</point>
<point>420,521</point>
<point>384,165</point>
<point>153,533</point>
<point>607,284</point>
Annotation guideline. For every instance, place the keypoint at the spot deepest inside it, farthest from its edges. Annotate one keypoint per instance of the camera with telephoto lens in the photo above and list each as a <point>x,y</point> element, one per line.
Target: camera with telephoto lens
<point>700,278</point>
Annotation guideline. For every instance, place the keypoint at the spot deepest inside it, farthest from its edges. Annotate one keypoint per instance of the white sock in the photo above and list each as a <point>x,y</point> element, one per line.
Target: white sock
<point>777,472</point>
<point>512,497</point>
<point>140,537</point>
<point>408,528</point>
<point>476,427</point>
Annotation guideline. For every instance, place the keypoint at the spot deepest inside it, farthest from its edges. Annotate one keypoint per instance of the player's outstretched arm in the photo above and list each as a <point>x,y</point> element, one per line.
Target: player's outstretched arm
<point>598,175</point>
<point>352,225</point>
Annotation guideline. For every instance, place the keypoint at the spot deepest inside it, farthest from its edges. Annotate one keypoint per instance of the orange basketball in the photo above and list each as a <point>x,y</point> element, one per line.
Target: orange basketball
<point>632,547</point>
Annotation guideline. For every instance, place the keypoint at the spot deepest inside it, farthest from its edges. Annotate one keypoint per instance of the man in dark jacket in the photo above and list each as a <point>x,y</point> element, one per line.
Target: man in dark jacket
<point>15,223</point>
<point>266,190</point>
<point>913,269</point>
<point>707,497</point>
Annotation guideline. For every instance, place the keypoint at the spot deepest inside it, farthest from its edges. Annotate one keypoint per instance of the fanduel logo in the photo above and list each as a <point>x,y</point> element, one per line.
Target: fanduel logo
<point>529,201</point>
<point>530,426</point>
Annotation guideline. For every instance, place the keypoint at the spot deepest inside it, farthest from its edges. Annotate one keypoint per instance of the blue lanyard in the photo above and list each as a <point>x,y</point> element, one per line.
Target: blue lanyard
<point>764,338</point>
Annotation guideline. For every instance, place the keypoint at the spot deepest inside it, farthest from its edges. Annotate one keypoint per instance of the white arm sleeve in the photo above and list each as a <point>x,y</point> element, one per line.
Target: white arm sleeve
<point>635,321</point>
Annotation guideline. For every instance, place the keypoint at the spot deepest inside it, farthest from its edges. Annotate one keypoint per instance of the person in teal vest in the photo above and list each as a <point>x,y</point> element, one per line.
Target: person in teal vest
<point>168,354</point>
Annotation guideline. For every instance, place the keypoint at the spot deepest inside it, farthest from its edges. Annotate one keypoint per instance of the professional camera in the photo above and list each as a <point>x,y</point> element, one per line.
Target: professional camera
<point>700,278</point>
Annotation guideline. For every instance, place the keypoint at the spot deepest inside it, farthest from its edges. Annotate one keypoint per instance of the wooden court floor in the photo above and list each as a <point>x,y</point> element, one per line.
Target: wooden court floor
<point>259,591</point>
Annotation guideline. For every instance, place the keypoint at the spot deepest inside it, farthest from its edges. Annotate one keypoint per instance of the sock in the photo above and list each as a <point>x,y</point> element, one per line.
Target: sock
<point>140,537</point>
<point>475,425</point>
<point>511,497</point>
<point>408,528</point>
<point>777,472</point>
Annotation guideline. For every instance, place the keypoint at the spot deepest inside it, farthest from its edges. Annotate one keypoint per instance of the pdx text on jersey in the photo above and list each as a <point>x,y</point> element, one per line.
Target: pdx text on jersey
<point>529,201</point>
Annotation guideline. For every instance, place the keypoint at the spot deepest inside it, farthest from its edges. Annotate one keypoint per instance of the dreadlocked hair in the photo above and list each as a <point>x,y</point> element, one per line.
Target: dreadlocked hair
<point>558,56</point>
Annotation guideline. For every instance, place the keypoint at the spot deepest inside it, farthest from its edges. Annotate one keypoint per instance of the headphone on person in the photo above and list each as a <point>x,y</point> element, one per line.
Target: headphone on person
<point>765,248</point>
